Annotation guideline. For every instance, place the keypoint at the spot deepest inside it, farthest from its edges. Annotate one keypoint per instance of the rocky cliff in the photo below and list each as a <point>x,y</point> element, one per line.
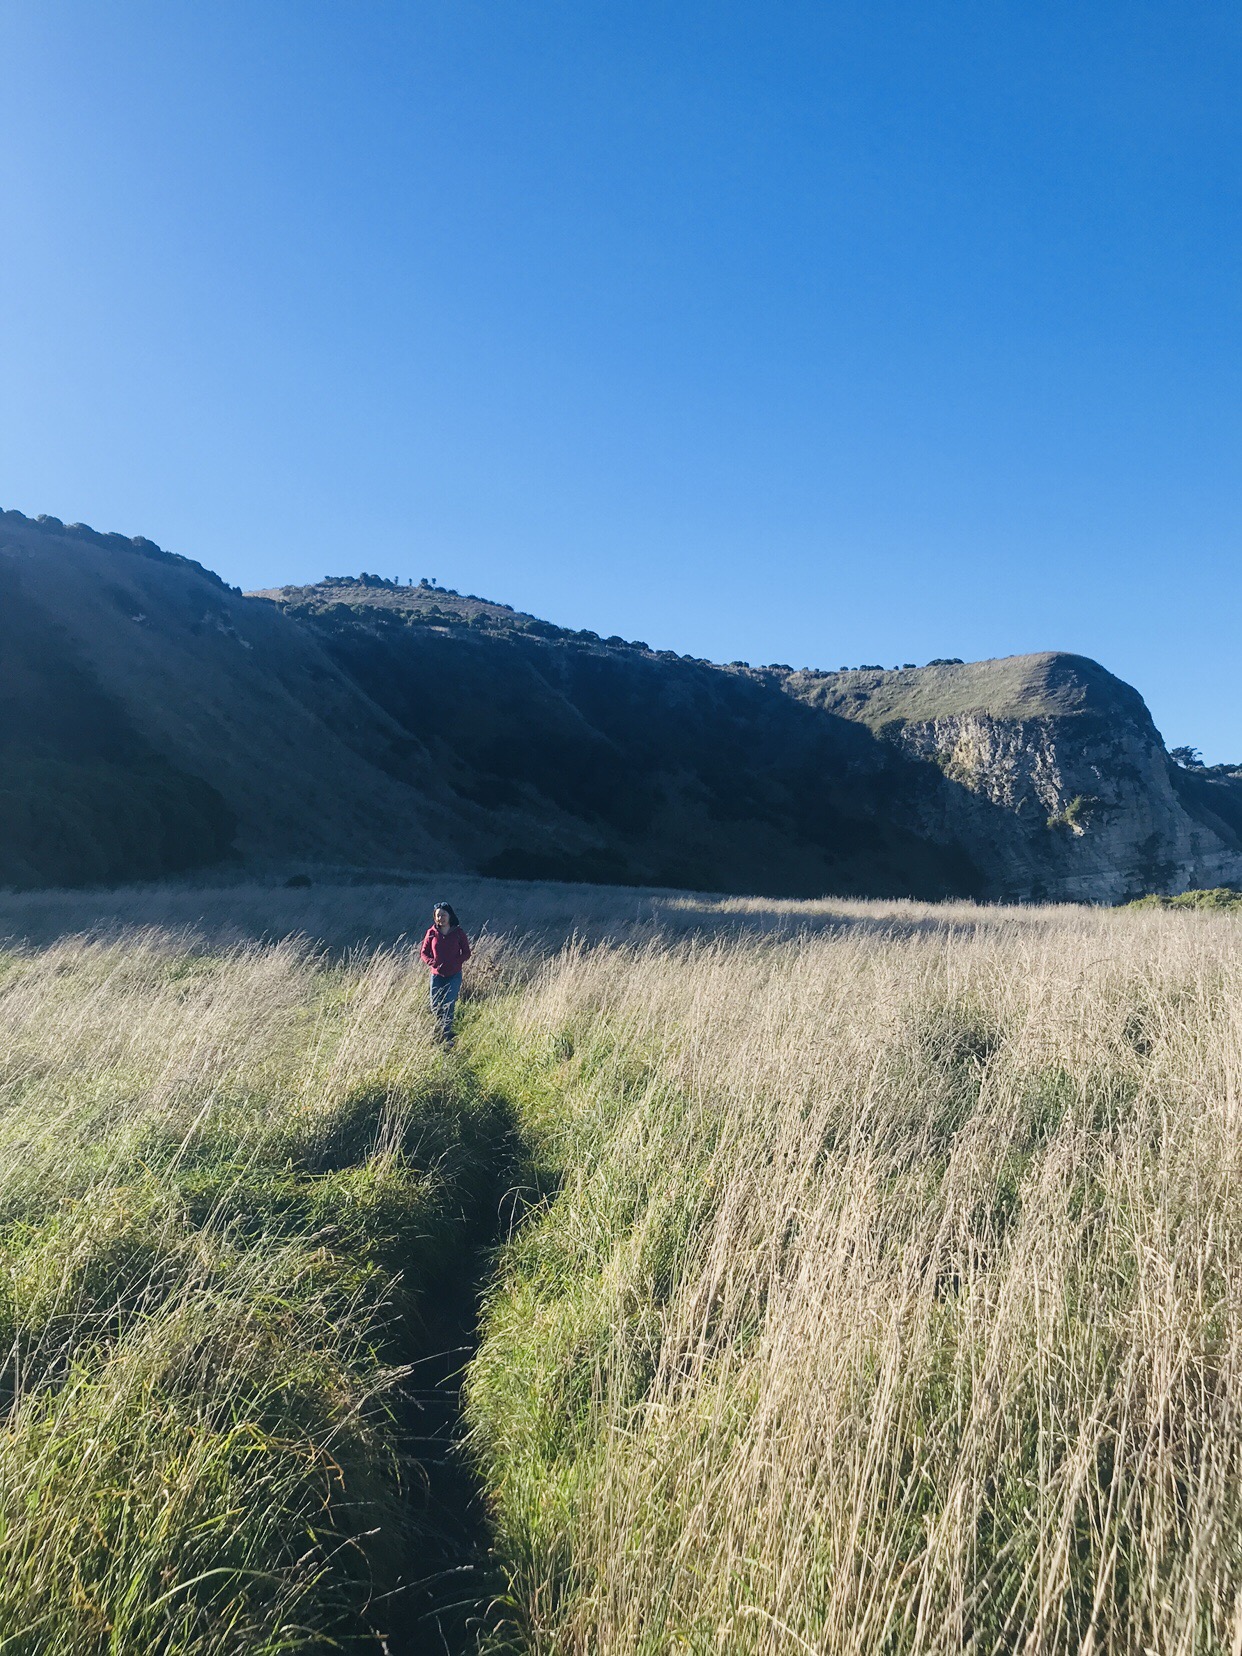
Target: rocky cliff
<point>152,719</point>
<point>1052,769</point>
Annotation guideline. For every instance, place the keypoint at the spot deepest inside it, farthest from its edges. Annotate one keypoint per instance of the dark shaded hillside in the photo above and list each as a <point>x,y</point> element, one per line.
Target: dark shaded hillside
<point>1213,795</point>
<point>83,797</point>
<point>370,727</point>
<point>1033,777</point>
<point>618,765</point>
<point>219,688</point>
<point>156,719</point>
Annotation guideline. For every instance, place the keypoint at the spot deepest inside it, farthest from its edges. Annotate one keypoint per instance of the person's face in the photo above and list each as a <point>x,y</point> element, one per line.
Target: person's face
<point>442,919</point>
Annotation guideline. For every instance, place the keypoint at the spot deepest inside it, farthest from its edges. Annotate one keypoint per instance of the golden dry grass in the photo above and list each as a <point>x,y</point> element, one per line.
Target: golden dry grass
<point>891,1301</point>
<point>881,1292</point>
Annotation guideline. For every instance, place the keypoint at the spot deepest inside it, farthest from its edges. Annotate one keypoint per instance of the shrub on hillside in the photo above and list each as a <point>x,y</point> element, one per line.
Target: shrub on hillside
<point>1220,898</point>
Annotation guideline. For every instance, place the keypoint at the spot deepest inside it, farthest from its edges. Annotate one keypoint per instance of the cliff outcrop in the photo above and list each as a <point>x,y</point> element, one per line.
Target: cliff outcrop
<point>1052,769</point>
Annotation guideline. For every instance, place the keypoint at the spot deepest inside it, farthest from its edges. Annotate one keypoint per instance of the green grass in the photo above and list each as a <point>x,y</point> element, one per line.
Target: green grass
<point>1051,685</point>
<point>1077,814</point>
<point>222,1223</point>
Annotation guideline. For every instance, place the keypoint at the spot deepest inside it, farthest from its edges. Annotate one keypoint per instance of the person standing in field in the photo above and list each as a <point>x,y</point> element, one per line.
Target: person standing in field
<point>446,949</point>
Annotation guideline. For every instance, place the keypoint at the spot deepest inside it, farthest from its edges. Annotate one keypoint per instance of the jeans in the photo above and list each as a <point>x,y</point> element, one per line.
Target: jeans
<point>444,993</point>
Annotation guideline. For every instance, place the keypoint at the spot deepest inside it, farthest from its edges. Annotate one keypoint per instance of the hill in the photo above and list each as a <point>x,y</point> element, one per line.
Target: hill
<point>151,667</point>
<point>1087,802</point>
<point>601,759</point>
<point>83,793</point>
<point>365,723</point>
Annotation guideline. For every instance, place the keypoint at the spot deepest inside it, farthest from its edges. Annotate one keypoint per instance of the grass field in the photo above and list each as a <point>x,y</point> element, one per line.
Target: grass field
<point>863,1277</point>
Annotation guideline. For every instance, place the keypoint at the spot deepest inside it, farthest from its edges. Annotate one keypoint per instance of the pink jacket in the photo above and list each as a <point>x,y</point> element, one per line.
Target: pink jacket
<point>445,952</point>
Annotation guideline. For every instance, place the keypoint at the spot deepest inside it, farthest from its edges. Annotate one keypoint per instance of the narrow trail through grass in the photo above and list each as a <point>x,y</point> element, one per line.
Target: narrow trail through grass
<point>467,1606</point>
<point>451,1599</point>
<point>443,1596</point>
<point>244,1204</point>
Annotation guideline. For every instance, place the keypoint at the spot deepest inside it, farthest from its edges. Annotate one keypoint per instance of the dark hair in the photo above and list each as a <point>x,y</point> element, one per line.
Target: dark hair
<point>449,910</point>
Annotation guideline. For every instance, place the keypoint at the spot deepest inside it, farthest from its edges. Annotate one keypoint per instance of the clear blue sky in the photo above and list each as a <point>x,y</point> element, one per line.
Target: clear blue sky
<point>806,332</point>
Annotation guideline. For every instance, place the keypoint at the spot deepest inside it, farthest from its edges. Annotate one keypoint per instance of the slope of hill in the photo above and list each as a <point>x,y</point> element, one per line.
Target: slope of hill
<point>279,755</point>
<point>83,795</point>
<point>365,723</point>
<point>1035,776</point>
<point>618,763</point>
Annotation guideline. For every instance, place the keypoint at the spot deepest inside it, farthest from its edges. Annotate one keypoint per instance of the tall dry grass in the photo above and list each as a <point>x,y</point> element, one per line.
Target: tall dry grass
<point>880,1291</point>
<point>891,1301</point>
<point>344,911</point>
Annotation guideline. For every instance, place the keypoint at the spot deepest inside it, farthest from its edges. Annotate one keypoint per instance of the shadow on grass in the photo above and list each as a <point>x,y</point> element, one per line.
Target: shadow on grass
<point>357,915</point>
<point>444,1606</point>
<point>448,1601</point>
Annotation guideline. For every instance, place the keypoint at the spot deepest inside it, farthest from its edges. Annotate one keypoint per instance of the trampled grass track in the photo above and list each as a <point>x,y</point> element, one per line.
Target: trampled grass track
<point>241,1204</point>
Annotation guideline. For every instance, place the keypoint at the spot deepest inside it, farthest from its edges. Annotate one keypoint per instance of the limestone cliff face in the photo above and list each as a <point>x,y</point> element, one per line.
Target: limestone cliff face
<point>1095,820</point>
<point>1052,771</point>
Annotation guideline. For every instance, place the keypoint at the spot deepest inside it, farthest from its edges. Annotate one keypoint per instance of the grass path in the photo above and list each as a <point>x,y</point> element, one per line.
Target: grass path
<point>242,1202</point>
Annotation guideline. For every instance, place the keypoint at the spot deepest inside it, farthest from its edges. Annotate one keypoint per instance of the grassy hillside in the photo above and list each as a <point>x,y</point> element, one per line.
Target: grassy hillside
<point>1052,685</point>
<point>868,1281</point>
<point>387,599</point>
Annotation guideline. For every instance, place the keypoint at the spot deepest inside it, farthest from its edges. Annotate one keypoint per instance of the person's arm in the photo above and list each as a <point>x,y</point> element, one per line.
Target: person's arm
<point>465,948</point>
<point>425,954</point>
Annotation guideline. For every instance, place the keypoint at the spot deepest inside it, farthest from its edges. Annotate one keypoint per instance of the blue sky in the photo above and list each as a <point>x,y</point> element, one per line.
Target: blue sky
<point>815,333</point>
